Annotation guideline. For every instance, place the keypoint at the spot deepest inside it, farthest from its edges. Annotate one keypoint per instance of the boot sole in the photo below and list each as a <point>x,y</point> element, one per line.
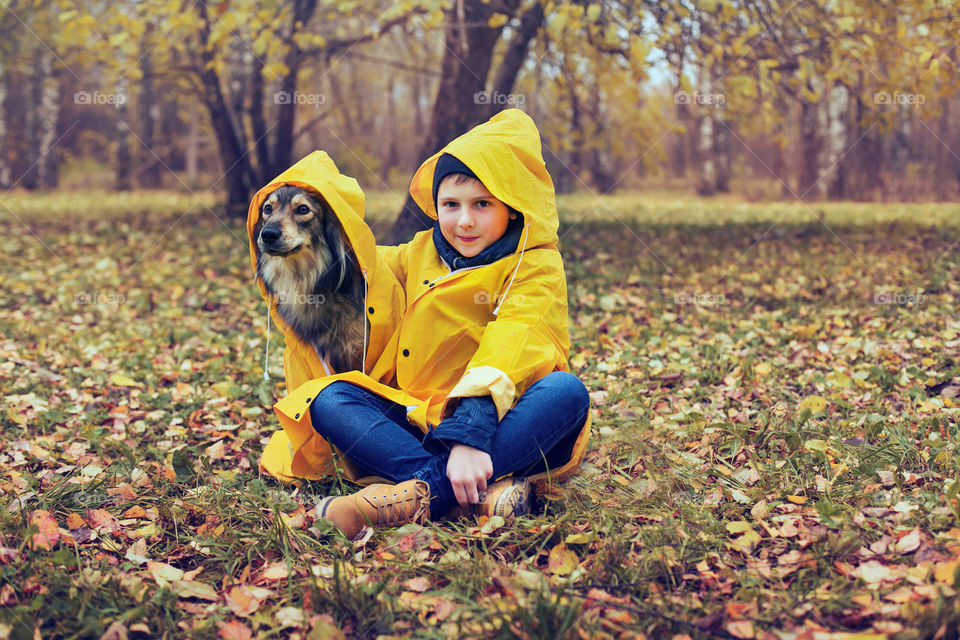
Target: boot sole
<point>511,504</point>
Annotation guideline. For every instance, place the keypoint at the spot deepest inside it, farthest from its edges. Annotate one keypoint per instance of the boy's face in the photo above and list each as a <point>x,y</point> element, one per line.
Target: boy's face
<point>470,218</point>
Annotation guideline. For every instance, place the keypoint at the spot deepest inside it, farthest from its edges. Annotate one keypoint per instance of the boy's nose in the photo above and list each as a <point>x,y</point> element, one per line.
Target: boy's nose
<point>465,221</point>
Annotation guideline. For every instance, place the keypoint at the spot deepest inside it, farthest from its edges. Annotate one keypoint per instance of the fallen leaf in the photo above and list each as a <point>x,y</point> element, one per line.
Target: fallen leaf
<point>49,531</point>
<point>418,584</point>
<point>234,630</point>
<point>193,589</point>
<point>562,561</point>
<point>908,543</point>
<point>275,571</point>
<point>290,617</point>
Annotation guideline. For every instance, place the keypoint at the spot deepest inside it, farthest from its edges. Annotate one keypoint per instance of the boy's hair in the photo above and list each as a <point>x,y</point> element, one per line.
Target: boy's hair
<point>459,178</point>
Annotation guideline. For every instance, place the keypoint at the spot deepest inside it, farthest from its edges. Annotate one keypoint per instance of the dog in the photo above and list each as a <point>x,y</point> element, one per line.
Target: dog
<point>305,261</point>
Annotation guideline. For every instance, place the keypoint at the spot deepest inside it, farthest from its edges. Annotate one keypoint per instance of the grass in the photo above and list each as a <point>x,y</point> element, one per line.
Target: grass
<point>770,457</point>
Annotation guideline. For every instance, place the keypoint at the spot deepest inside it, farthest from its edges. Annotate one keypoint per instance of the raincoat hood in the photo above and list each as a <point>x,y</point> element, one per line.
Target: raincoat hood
<point>505,154</point>
<point>318,172</point>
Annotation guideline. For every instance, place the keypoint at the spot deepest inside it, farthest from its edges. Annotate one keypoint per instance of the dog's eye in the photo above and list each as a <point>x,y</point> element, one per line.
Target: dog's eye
<point>303,209</point>
<point>267,209</point>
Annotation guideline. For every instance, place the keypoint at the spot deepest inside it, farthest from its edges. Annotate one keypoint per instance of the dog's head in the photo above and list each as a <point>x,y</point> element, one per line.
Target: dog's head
<point>298,233</point>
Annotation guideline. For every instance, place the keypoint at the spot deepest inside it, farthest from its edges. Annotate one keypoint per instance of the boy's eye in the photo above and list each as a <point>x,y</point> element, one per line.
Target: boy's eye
<point>483,203</point>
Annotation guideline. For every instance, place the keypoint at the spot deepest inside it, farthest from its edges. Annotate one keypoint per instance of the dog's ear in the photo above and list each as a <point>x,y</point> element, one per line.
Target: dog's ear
<point>339,270</point>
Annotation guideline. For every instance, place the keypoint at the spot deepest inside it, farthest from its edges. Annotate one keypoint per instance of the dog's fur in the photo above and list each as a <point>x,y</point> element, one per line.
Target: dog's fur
<point>307,265</point>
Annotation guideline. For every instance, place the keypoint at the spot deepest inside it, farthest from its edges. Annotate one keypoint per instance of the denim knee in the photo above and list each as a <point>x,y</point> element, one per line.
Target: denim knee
<point>568,388</point>
<point>329,402</point>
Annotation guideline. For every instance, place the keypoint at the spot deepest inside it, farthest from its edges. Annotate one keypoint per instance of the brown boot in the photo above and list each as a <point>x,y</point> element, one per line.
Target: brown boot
<point>509,497</point>
<point>379,505</point>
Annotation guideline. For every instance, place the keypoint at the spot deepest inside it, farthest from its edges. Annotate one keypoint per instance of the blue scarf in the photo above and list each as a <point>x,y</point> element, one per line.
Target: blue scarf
<point>506,245</point>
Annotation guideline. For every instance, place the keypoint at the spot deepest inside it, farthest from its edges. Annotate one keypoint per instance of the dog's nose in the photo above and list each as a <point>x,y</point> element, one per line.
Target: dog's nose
<point>270,235</point>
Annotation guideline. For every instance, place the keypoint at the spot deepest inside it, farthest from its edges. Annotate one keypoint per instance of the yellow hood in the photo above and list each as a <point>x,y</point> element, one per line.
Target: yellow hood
<point>505,155</point>
<point>385,300</point>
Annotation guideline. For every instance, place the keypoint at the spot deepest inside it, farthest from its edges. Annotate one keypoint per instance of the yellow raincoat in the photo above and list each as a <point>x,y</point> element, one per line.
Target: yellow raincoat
<point>307,455</point>
<point>490,330</point>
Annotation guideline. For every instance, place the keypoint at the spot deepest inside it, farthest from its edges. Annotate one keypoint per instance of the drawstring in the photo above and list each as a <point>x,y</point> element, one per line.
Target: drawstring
<point>266,353</point>
<point>363,363</point>
<point>323,361</point>
<point>509,284</point>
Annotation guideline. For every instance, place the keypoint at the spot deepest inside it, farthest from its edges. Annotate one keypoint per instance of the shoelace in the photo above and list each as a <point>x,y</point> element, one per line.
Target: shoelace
<point>392,512</point>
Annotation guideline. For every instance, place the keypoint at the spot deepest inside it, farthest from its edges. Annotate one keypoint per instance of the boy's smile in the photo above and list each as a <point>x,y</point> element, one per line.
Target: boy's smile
<point>470,218</point>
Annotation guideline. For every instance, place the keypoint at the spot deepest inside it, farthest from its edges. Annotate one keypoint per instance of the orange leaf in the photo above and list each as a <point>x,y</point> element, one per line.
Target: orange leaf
<point>74,521</point>
<point>794,500</point>
<point>740,628</point>
<point>49,533</point>
<point>241,601</point>
<point>135,512</point>
<point>234,630</point>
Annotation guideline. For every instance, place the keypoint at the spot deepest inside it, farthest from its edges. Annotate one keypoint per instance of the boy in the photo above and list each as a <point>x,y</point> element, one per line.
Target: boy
<point>482,388</point>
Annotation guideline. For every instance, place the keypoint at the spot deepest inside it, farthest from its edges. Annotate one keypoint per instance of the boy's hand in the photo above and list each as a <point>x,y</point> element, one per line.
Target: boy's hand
<point>468,470</point>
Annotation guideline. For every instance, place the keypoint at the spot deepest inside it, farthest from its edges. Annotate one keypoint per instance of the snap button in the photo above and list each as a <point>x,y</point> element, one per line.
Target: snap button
<point>431,284</point>
<point>370,310</point>
<point>426,282</point>
<point>406,352</point>
<point>296,417</point>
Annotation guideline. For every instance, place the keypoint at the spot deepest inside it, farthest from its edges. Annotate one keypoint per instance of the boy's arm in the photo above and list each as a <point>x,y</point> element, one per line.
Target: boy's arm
<point>525,341</point>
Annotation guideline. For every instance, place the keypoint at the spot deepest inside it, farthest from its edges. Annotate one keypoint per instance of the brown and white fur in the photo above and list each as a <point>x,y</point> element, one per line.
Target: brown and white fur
<point>305,261</point>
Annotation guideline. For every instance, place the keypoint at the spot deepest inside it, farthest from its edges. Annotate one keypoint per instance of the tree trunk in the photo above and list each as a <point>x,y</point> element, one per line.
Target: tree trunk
<point>286,111</point>
<point>809,151</point>
<point>707,180</point>
<point>258,123</point>
<point>942,175</point>
<point>721,149</point>
<point>43,111</point>
<point>233,158</point>
<point>837,162</point>
<point>461,100</point>
<point>192,153</point>
<point>122,168</point>
<point>150,175</point>
<point>4,145</point>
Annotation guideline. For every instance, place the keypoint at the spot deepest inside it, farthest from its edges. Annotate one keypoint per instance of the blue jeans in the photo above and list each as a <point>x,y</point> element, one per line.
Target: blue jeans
<point>537,434</point>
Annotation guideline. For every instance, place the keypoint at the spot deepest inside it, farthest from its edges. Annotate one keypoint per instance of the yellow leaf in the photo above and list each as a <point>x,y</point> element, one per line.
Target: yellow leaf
<point>121,380</point>
<point>577,538</point>
<point>797,499</point>
<point>739,526</point>
<point>562,560</point>
<point>815,404</point>
<point>763,369</point>
<point>497,20</point>
<point>946,572</point>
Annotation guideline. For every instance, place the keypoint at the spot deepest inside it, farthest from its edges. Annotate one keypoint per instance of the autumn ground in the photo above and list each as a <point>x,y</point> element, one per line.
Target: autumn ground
<point>773,454</point>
